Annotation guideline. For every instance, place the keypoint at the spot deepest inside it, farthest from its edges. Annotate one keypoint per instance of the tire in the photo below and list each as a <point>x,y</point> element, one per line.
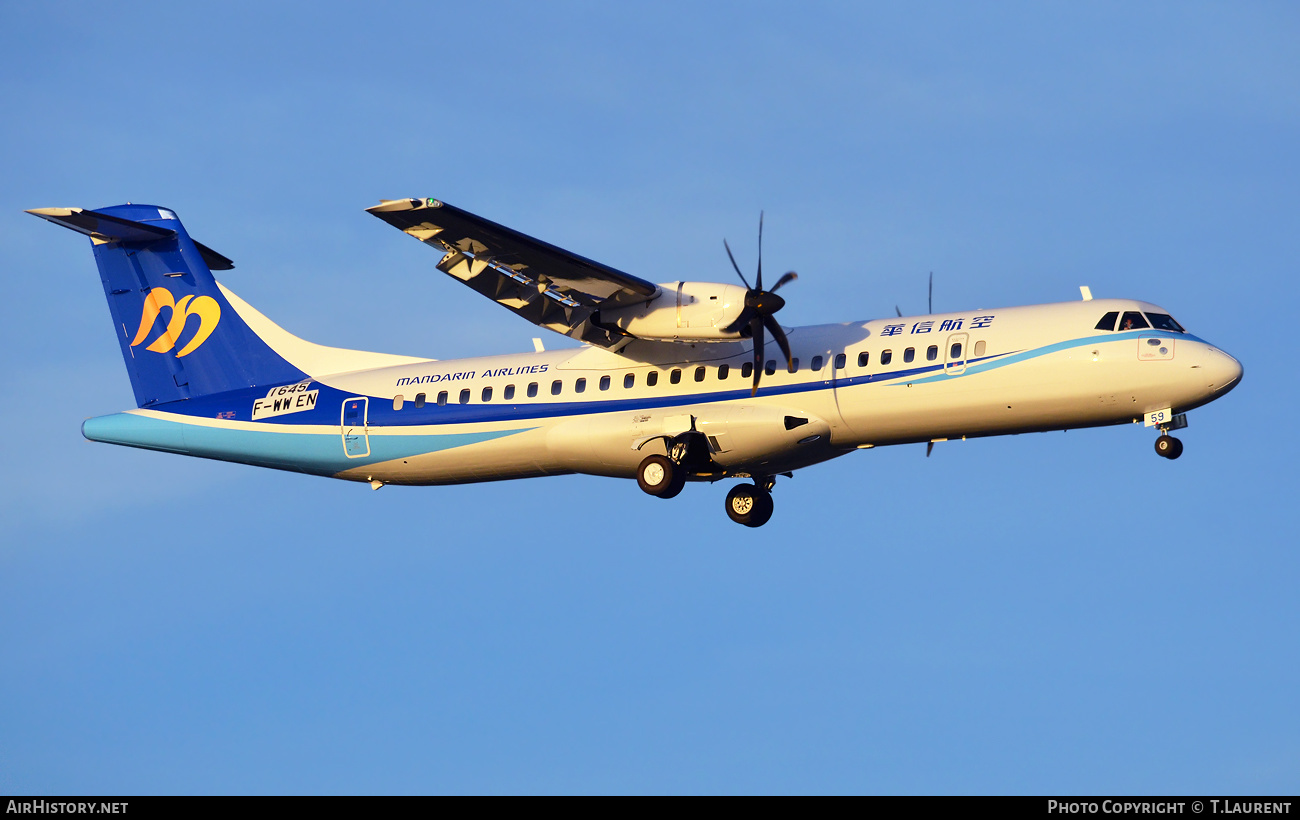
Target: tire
<point>1178,449</point>
<point>660,476</point>
<point>1168,447</point>
<point>749,505</point>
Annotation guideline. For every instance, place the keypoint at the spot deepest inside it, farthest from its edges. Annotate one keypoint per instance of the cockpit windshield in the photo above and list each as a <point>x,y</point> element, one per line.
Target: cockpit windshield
<point>1163,321</point>
<point>1134,320</point>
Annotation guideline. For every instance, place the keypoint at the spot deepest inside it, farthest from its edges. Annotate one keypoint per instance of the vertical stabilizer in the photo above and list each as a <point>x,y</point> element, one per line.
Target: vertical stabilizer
<point>179,335</point>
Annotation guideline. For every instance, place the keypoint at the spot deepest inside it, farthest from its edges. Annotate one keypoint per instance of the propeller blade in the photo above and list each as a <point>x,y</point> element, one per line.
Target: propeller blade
<point>757,332</point>
<point>759,284</point>
<point>734,265</point>
<point>742,321</point>
<point>784,280</point>
<point>896,310</point>
<point>931,302</point>
<point>779,335</point>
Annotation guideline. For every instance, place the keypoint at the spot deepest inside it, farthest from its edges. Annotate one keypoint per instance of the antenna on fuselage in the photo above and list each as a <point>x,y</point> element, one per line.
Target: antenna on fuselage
<point>929,303</point>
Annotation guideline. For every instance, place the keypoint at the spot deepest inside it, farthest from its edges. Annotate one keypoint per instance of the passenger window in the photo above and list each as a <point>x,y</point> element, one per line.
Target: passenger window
<point>863,358</point>
<point>980,347</point>
<point>794,364</point>
<point>652,378</point>
<point>532,390</point>
<point>840,361</point>
<point>769,368</point>
<point>699,374</point>
<point>1163,321</point>
<point>675,377</point>
<point>487,394</point>
<point>816,363</point>
<point>510,392</point>
<point>746,370</point>
<point>397,402</point>
<point>556,387</point>
<point>419,400</point>
<point>955,352</point>
<point>604,382</point>
<point>1108,321</point>
<point>580,386</point>
<point>442,398</point>
<point>464,396</point>
<point>886,356</point>
<point>1132,320</point>
<point>909,355</point>
<point>629,380</point>
<point>723,371</point>
<point>932,353</point>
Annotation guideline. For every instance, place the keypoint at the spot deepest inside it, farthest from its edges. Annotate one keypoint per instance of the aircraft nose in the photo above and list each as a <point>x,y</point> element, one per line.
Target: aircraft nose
<point>1224,371</point>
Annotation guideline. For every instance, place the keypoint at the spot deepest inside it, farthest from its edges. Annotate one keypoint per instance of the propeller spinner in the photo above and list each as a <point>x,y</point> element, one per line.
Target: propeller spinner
<point>760,305</point>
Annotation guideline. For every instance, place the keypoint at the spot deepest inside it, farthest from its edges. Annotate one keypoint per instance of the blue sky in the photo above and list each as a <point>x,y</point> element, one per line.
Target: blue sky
<point>1053,613</point>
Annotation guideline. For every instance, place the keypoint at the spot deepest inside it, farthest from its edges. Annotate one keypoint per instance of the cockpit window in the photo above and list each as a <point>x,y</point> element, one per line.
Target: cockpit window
<point>1108,321</point>
<point>1163,321</point>
<point>1132,320</point>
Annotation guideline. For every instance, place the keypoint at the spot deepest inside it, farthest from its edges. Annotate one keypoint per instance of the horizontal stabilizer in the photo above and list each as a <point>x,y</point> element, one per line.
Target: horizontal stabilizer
<point>104,228</point>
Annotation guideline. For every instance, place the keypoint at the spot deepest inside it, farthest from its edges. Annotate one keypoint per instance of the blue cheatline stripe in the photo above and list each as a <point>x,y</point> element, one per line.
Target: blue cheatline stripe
<point>319,453</point>
<point>381,414</point>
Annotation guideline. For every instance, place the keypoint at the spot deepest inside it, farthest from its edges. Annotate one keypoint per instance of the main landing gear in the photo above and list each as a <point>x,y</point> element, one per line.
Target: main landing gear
<point>748,504</point>
<point>660,476</point>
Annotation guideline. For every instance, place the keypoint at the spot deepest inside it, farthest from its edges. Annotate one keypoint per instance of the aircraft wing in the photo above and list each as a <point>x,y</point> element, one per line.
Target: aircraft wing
<point>546,285</point>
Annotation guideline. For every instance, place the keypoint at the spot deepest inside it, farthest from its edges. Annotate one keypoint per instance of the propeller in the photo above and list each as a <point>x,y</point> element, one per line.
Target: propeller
<point>760,304</point>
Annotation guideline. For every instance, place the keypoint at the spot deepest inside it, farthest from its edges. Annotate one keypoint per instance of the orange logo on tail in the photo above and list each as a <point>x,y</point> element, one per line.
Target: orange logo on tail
<point>205,307</point>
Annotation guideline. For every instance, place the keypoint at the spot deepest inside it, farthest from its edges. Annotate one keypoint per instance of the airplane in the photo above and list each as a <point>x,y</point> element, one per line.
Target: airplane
<point>672,383</point>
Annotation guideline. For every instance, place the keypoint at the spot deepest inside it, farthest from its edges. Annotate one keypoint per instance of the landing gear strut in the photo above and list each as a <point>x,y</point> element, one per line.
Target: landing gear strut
<point>1169,447</point>
<point>750,504</point>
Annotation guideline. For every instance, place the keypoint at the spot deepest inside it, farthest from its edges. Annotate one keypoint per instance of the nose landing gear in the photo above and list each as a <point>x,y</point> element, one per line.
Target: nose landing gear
<point>1169,447</point>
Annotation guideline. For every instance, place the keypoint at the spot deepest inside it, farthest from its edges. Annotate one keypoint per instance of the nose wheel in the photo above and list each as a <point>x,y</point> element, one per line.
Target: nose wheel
<point>1169,447</point>
<point>749,504</point>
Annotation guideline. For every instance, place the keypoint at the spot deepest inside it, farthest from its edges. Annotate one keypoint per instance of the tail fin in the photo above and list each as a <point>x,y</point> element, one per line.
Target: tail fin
<point>180,337</point>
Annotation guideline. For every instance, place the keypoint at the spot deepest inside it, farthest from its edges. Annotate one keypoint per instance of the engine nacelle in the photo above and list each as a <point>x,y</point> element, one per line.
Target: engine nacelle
<point>693,311</point>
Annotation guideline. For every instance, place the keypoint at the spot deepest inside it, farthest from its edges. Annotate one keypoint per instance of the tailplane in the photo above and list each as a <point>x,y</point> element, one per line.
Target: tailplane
<point>180,336</point>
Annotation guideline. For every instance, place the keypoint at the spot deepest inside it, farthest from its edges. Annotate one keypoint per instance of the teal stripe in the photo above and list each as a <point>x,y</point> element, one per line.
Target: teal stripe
<point>317,453</point>
<point>1026,355</point>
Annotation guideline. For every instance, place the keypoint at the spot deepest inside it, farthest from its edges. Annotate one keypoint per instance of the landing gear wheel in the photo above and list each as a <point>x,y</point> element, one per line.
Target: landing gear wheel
<point>749,505</point>
<point>660,476</point>
<point>1169,447</point>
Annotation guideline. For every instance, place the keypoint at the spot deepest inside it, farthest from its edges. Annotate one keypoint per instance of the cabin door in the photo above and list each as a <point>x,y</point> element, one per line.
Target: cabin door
<point>356,441</point>
<point>954,356</point>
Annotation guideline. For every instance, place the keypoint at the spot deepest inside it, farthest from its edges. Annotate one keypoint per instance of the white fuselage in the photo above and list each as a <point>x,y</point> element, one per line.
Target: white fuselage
<point>589,410</point>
